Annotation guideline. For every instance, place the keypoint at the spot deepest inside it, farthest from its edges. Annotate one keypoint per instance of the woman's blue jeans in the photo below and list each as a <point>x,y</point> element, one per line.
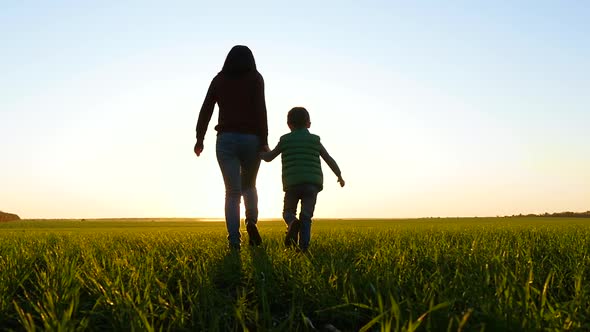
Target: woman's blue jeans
<point>237,155</point>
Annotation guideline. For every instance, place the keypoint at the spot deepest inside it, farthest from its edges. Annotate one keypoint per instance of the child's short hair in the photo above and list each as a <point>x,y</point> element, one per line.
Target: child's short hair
<point>298,117</point>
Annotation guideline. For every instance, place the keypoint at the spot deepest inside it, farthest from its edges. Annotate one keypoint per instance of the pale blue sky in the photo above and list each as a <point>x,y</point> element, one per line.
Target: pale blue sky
<point>430,108</point>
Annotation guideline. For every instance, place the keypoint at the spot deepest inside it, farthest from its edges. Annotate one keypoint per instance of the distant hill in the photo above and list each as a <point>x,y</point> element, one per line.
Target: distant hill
<point>566,214</point>
<point>4,216</point>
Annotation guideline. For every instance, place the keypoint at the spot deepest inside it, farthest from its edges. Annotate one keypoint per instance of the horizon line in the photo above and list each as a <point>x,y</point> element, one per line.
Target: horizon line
<point>215,219</point>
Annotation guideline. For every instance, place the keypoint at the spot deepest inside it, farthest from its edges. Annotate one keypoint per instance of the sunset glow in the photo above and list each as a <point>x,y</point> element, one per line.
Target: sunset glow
<point>430,109</point>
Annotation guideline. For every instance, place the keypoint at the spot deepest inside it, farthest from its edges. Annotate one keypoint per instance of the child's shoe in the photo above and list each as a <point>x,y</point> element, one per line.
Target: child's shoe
<point>293,233</point>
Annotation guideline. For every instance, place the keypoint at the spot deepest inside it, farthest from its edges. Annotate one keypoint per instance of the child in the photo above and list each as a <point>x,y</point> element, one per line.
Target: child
<point>302,175</point>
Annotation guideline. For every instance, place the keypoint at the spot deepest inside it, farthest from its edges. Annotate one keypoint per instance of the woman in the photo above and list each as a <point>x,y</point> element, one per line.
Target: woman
<point>242,130</point>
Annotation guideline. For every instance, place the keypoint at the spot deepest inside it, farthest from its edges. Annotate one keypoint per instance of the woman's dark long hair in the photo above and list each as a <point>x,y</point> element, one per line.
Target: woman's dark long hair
<point>239,61</point>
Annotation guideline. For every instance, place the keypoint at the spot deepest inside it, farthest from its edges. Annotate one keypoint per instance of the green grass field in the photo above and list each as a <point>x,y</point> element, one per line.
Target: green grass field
<point>472,274</point>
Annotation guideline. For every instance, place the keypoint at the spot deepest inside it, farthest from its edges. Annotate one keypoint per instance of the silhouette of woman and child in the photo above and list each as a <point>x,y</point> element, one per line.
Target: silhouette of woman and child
<point>242,131</point>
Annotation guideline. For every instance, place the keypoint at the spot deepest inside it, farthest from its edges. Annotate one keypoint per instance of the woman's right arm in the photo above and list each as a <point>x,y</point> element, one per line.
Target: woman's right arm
<point>261,110</point>
<point>205,115</point>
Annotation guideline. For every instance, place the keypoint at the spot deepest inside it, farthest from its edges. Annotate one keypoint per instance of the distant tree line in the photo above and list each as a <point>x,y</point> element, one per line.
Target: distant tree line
<point>566,214</point>
<point>4,216</point>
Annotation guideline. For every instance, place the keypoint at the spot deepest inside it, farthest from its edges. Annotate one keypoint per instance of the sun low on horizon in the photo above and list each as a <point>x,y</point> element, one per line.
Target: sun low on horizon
<point>429,109</point>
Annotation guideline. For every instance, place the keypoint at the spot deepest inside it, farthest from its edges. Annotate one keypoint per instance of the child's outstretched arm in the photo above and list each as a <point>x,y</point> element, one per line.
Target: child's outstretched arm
<point>332,163</point>
<point>270,155</point>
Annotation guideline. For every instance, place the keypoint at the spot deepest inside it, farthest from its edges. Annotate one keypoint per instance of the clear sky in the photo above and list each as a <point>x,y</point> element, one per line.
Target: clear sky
<point>430,108</point>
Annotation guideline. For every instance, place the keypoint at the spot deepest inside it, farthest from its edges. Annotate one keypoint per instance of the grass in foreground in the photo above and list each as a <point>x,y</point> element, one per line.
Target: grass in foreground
<point>519,274</point>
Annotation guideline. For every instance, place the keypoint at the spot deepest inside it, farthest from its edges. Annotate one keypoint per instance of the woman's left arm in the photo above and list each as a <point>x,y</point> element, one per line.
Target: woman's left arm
<point>205,115</point>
